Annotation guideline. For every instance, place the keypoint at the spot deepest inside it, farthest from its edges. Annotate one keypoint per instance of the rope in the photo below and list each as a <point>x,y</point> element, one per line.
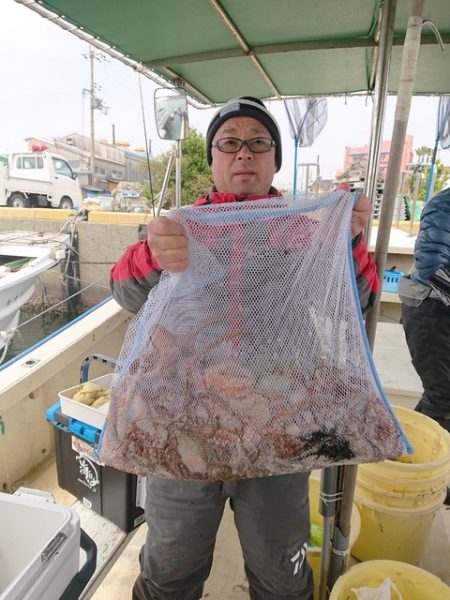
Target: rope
<point>54,306</point>
<point>80,216</point>
<point>343,553</point>
<point>97,283</point>
<point>330,498</point>
<point>59,276</point>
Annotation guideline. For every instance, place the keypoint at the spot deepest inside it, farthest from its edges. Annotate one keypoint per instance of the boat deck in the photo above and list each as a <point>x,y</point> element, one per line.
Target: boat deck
<point>118,552</point>
<point>34,243</point>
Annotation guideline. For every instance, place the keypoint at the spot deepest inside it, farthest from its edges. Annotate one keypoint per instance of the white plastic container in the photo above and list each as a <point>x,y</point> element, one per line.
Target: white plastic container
<point>106,202</point>
<point>91,416</point>
<point>39,547</point>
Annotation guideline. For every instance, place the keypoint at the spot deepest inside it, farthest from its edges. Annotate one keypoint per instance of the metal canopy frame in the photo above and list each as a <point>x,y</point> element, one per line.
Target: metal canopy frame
<point>315,61</point>
<point>397,40</point>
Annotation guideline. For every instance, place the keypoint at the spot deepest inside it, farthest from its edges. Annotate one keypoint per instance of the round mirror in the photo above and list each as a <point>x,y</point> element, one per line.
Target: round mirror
<point>171,113</point>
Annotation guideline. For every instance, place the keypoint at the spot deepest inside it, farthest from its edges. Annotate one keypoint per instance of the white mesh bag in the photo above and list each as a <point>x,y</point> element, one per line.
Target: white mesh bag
<point>253,361</point>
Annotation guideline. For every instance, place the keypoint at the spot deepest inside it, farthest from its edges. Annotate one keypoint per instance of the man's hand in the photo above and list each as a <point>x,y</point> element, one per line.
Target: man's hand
<point>361,210</point>
<point>168,244</point>
<point>360,215</point>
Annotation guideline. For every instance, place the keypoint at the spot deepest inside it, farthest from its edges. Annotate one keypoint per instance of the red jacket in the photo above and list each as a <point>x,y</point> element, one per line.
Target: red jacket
<point>136,272</point>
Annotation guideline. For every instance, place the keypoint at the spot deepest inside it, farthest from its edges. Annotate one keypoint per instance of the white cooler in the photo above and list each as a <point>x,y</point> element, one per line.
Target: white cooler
<point>40,548</point>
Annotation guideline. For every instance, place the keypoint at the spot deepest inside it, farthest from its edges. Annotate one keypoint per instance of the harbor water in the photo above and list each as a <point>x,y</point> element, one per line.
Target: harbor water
<point>35,325</point>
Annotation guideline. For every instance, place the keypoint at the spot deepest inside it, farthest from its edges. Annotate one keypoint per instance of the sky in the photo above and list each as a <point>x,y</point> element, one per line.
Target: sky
<point>44,71</point>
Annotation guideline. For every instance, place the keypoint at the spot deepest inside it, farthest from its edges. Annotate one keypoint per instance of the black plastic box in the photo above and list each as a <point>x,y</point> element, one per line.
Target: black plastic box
<point>107,491</point>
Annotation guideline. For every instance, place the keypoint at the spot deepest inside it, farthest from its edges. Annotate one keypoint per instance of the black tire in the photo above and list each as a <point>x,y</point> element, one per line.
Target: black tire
<point>66,203</point>
<point>18,201</point>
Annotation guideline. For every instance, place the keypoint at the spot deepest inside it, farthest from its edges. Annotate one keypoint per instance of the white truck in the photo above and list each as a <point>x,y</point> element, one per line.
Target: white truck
<point>38,178</point>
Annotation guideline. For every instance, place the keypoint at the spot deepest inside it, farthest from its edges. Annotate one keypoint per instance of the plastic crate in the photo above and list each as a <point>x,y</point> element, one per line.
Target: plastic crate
<point>111,493</point>
<point>81,412</point>
<point>390,280</point>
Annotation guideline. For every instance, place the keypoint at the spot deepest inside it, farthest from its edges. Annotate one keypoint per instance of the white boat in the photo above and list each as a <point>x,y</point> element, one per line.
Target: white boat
<point>24,255</point>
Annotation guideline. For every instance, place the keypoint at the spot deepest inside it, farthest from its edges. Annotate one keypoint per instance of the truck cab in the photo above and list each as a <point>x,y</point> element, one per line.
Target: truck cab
<point>39,178</point>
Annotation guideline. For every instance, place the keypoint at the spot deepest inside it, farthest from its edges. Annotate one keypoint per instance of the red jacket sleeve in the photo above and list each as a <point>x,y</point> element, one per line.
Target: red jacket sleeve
<point>133,276</point>
<point>365,272</point>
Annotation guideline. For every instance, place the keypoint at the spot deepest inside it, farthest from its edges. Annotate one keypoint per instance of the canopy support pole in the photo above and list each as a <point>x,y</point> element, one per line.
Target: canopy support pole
<point>346,476</point>
<point>402,109</point>
<point>294,183</point>
<point>178,175</point>
<point>340,544</point>
<point>386,36</point>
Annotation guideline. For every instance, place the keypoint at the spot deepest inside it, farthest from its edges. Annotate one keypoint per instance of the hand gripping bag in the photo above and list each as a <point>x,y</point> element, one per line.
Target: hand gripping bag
<point>253,361</point>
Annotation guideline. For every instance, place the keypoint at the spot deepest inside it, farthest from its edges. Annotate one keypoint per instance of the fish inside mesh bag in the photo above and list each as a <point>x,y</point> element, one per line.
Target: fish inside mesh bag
<point>252,361</point>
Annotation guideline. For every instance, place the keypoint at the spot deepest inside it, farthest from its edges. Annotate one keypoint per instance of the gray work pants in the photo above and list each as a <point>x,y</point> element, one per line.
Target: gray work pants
<point>271,515</point>
<point>427,330</point>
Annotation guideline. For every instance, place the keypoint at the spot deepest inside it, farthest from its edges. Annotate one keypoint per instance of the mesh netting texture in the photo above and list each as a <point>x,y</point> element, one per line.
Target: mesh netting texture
<point>252,361</point>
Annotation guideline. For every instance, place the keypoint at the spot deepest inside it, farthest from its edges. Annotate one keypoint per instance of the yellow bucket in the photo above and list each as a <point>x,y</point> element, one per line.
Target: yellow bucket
<point>398,499</point>
<point>394,533</point>
<point>413,583</point>
<point>314,553</point>
<point>388,497</point>
<point>427,470</point>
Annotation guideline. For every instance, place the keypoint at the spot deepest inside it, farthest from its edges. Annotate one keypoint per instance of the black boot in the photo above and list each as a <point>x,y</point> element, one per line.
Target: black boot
<point>447,498</point>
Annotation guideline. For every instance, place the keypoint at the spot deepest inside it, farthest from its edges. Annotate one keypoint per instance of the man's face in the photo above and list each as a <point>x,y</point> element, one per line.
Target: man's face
<point>244,172</point>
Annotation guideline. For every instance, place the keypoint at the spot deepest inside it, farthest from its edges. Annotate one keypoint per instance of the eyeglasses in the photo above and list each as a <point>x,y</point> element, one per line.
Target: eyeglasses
<point>233,145</point>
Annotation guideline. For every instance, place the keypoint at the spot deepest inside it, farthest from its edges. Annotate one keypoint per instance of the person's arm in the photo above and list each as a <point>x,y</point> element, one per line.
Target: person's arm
<point>365,269</point>
<point>139,268</point>
<point>133,276</point>
<point>365,272</point>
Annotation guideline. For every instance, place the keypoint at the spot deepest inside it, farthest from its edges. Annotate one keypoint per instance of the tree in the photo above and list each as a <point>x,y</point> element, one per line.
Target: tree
<point>424,154</point>
<point>422,170</point>
<point>195,173</point>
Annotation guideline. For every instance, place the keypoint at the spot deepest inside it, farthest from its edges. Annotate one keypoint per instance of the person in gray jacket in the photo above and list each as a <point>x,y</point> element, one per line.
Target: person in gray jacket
<point>425,296</point>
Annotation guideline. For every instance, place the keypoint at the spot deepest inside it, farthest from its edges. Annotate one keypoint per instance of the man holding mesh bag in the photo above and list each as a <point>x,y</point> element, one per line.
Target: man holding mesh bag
<point>271,513</point>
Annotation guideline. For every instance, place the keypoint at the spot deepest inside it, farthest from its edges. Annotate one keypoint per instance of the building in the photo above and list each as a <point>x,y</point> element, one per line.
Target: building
<point>322,186</point>
<point>358,154</point>
<point>113,164</point>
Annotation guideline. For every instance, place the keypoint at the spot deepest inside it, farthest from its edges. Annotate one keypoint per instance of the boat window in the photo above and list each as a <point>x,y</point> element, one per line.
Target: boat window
<point>62,167</point>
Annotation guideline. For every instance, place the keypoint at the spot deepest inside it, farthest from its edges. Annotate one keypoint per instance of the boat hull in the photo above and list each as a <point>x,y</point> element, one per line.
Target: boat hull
<point>16,288</point>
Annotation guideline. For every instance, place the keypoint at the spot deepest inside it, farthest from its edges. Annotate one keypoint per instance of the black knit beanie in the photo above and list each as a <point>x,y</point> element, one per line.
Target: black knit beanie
<point>245,106</point>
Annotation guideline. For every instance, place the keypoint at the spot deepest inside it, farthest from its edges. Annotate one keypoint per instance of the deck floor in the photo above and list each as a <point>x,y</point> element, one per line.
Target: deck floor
<point>118,552</point>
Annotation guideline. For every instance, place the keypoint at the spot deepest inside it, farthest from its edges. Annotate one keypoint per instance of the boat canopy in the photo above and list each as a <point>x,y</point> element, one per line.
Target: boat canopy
<point>283,48</point>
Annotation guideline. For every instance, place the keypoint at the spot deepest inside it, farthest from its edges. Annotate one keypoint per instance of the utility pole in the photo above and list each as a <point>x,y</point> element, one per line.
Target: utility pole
<point>113,134</point>
<point>91,112</point>
<point>94,104</point>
